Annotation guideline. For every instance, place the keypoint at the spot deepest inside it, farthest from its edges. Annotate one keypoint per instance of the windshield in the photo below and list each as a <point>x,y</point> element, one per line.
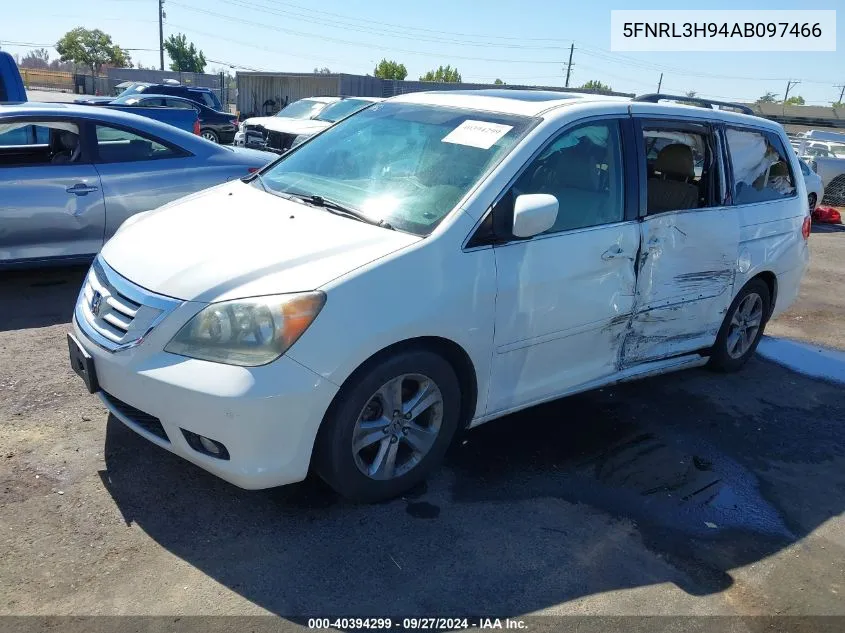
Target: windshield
<point>302,109</point>
<point>134,89</point>
<point>341,109</point>
<point>128,99</point>
<point>405,164</point>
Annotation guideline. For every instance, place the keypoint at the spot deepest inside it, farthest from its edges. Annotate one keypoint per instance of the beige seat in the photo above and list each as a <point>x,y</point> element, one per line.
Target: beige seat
<point>673,189</point>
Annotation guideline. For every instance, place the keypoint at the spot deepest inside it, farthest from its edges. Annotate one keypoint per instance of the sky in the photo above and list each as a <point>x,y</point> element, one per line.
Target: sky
<point>514,40</point>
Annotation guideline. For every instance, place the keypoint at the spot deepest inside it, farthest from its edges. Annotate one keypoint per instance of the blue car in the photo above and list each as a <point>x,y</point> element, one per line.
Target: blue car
<point>71,174</point>
<point>215,126</point>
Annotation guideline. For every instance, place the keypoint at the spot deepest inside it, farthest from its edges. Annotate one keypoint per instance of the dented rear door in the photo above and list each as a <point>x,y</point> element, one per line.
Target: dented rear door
<point>685,270</point>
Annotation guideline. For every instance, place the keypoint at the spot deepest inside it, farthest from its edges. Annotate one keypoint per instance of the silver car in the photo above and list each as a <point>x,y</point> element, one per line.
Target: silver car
<point>71,174</point>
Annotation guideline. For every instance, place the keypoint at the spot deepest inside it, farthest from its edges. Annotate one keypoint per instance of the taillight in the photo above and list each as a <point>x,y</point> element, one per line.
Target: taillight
<point>805,228</point>
<point>252,170</point>
<point>235,122</point>
<point>197,127</point>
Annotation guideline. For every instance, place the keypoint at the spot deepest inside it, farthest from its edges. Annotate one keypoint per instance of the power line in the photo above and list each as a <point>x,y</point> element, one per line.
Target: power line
<point>298,33</point>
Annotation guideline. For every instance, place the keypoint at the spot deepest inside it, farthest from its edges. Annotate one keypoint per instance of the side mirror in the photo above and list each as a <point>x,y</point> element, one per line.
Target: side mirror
<point>534,213</point>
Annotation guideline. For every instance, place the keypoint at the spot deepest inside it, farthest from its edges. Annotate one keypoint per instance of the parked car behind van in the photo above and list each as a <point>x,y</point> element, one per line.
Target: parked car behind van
<point>434,262</point>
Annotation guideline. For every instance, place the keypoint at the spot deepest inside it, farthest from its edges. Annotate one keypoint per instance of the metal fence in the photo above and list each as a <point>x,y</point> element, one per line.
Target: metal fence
<point>219,83</point>
<point>36,78</point>
<point>266,93</point>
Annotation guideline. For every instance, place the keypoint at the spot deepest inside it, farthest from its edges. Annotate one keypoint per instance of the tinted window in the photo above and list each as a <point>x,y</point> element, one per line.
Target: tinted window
<point>39,143</point>
<point>583,169</point>
<point>28,135</point>
<point>178,103</point>
<point>681,169</point>
<point>206,99</point>
<point>117,146</point>
<point>761,169</point>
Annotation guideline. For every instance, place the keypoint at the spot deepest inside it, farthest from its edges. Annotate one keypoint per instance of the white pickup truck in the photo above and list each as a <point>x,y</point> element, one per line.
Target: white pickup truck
<point>825,153</point>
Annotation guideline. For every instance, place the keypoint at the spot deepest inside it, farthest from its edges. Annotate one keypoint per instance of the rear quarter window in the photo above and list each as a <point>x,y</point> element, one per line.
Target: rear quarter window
<point>760,166</point>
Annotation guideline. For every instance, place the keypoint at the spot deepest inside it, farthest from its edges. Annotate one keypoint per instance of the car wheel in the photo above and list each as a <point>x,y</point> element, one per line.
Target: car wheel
<point>812,200</point>
<point>389,426</point>
<point>210,135</point>
<point>743,326</point>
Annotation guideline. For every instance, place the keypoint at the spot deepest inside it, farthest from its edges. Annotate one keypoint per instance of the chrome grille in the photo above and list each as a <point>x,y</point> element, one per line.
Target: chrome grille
<point>115,313</point>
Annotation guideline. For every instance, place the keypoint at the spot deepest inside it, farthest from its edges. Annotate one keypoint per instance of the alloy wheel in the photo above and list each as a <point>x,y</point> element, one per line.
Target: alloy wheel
<point>397,427</point>
<point>745,324</point>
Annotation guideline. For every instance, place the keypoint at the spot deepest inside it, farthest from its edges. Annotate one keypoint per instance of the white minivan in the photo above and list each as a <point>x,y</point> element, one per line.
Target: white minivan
<point>431,263</point>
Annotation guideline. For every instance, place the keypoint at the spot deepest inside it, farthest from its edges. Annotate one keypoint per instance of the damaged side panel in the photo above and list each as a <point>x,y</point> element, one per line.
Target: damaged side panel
<point>50,211</point>
<point>686,275</point>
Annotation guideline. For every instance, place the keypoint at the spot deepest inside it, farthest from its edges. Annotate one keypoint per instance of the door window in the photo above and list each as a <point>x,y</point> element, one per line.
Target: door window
<point>39,143</point>
<point>761,171</point>
<point>582,168</point>
<point>681,169</point>
<point>115,145</point>
<point>178,103</point>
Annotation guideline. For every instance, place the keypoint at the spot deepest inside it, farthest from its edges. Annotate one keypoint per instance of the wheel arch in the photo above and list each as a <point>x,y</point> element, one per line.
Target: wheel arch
<point>451,351</point>
<point>771,280</point>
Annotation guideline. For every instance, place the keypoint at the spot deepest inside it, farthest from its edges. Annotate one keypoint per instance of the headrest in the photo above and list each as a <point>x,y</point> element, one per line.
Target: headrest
<point>577,169</point>
<point>68,140</point>
<point>779,169</point>
<point>675,160</point>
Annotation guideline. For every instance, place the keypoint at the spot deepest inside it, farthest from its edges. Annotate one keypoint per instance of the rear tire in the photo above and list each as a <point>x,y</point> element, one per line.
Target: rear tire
<point>389,427</point>
<point>742,328</point>
<point>210,135</point>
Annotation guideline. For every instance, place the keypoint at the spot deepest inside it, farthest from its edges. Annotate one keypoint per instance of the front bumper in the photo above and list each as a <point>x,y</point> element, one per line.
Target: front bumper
<point>266,417</point>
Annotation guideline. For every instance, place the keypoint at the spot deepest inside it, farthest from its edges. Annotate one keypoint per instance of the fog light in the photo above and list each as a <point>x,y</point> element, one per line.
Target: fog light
<point>206,445</point>
<point>210,446</point>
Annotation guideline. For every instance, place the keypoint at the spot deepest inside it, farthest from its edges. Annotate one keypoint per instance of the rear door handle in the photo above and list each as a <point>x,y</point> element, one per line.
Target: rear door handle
<point>613,252</point>
<point>81,189</point>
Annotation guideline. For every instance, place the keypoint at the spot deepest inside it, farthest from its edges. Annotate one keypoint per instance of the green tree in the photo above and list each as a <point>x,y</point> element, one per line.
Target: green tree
<point>796,100</point>
<point>443,74</point>
<point>596,85</point>
<point>690,93</point>
<point>184,56</point>
<point>325,70</point>
<point>769,97</point>
<point>390,69</point>
<point>38,58</point>
<point>93,49</point>
<point>499,82</point>
<point>838,104</point>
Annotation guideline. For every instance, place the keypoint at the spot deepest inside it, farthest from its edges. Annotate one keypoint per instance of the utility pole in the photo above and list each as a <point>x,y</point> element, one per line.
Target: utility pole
<point>841,93</point>
<point>789,85</point>
<point>569,65</point>
<point>161,32</point>
<point>659,83</point>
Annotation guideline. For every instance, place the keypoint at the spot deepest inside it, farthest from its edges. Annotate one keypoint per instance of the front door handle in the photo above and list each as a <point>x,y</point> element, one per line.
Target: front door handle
<point>81,189</point>
<point>613,252</point>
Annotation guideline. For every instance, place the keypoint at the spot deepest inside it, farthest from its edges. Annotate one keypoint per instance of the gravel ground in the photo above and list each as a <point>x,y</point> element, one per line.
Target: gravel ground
<point>688,494</point>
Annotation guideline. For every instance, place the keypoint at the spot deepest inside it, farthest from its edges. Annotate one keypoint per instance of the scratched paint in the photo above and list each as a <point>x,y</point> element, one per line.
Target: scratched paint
<point>687,273</point>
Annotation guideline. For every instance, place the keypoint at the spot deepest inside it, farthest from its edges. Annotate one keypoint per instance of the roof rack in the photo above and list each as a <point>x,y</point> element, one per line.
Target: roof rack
<point>706,103</point>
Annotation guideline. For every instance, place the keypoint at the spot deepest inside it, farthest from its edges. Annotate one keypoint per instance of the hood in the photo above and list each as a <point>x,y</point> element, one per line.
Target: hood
<point>235,241</point>
<point>255,157</point>
<point>289,126</point>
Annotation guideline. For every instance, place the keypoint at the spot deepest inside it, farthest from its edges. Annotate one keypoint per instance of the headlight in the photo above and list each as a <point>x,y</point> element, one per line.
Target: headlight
<point>299,139</point>
<point>247,332</point>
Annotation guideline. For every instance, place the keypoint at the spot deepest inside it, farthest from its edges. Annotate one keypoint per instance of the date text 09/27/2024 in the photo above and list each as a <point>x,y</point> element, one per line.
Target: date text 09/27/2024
<point>420,624</point>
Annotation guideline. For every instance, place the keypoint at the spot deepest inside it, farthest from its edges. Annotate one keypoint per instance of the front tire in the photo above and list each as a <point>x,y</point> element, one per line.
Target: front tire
<point>742,328</point>
<point>210,135</point>
<point>389,426</point>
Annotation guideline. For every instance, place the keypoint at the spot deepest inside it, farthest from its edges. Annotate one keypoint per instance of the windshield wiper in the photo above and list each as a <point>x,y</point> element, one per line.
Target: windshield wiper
<point>339,209</point>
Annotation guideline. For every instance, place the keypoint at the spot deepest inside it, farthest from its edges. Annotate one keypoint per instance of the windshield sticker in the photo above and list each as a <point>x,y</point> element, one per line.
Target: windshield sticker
<point>477,134</point>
